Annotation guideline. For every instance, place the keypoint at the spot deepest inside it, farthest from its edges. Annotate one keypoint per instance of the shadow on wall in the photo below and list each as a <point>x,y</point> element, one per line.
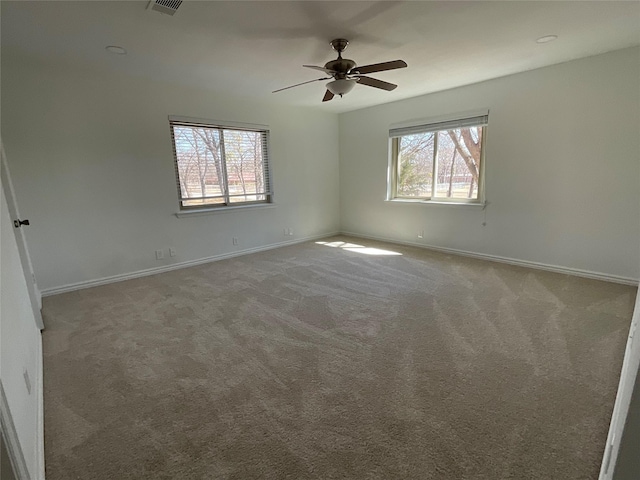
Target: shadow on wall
<point>6,471</point>
<point>628,464</point>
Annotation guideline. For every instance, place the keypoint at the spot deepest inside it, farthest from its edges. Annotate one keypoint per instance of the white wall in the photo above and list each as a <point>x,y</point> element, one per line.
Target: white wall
<point>562,168</point>
<point>20,349</point>
<point>91,159</point>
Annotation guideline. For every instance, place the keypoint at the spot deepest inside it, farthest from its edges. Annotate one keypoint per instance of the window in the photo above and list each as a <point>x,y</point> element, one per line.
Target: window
<point>438,161</point>
<point>220,165</point>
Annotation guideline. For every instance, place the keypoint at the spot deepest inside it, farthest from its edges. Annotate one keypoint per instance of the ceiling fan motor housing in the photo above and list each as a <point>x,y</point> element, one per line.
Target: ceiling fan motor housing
<point>341,66</point>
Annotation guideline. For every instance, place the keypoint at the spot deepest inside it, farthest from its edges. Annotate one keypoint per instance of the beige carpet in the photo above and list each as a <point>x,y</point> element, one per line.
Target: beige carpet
<point>331,362</point>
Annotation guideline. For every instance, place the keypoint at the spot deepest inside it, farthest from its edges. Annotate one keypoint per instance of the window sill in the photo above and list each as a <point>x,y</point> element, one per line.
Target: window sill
<point>208,211</point>
<point>405,201</point>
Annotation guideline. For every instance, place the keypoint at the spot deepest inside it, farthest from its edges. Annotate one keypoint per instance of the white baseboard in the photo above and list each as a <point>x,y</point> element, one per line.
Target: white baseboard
<point>511,261</point>
<point>10,438</point>
<point>494,258</point>
<point>175,266</point>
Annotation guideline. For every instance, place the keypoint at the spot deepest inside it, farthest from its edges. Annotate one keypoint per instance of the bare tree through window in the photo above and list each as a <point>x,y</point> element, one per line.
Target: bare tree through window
<point>442,164</point>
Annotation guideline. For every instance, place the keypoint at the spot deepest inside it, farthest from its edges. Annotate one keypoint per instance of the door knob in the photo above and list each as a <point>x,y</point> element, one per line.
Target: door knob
<point>19,223</point>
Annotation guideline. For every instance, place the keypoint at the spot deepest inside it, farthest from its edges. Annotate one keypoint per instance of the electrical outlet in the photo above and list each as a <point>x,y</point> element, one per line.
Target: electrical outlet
<point>27,380</point>
<point>172,252</point>
<point>159,254</point>
<point>235,240</point>
<point>421,234</point>
<point>290,232</point>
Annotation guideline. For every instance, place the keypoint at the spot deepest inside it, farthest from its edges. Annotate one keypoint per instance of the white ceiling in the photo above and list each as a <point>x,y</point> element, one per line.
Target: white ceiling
<point>252,48</point>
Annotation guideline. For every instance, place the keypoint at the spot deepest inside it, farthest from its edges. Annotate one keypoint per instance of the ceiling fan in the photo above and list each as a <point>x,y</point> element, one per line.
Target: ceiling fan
<point>345,73</point>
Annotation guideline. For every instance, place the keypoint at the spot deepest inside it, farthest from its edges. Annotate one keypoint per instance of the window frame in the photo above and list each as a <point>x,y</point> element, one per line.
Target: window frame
<point>431,126</point>
<point>263,130</point>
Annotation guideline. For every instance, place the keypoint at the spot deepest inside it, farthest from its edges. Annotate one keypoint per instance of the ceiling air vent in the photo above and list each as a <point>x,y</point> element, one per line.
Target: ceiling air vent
<point>165,6</point>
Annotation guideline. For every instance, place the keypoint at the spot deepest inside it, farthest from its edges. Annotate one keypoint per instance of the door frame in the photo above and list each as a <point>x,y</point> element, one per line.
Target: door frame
<point>629,371</point>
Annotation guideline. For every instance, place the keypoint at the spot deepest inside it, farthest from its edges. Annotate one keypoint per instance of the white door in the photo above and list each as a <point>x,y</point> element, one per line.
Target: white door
<point>17,226</point>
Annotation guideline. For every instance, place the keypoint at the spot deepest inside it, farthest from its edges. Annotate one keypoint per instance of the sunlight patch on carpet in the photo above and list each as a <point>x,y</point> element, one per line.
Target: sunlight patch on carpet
<point>353,247</point>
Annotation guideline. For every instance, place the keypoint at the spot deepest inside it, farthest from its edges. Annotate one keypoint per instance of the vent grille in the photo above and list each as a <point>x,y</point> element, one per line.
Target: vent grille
<point>165,6</point>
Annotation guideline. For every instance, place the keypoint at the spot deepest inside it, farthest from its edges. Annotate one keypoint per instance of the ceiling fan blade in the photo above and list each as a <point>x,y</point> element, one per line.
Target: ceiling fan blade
<point>379,67</point>
<point>298,84</point>
<point>374,82</point>
<point>322,69</point>
<point>327,96</point>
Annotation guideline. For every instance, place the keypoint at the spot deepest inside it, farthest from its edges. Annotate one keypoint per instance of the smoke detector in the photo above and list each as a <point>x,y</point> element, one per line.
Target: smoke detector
<point>168,7</point>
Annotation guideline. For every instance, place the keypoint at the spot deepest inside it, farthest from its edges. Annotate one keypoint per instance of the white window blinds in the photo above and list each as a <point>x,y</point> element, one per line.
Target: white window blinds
<point>465,122</point>
<point>220,164</point>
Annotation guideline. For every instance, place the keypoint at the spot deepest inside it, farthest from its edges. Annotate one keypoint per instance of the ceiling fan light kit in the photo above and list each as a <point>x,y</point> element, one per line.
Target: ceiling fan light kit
<point>341,86</point>
<point>345,73</point>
